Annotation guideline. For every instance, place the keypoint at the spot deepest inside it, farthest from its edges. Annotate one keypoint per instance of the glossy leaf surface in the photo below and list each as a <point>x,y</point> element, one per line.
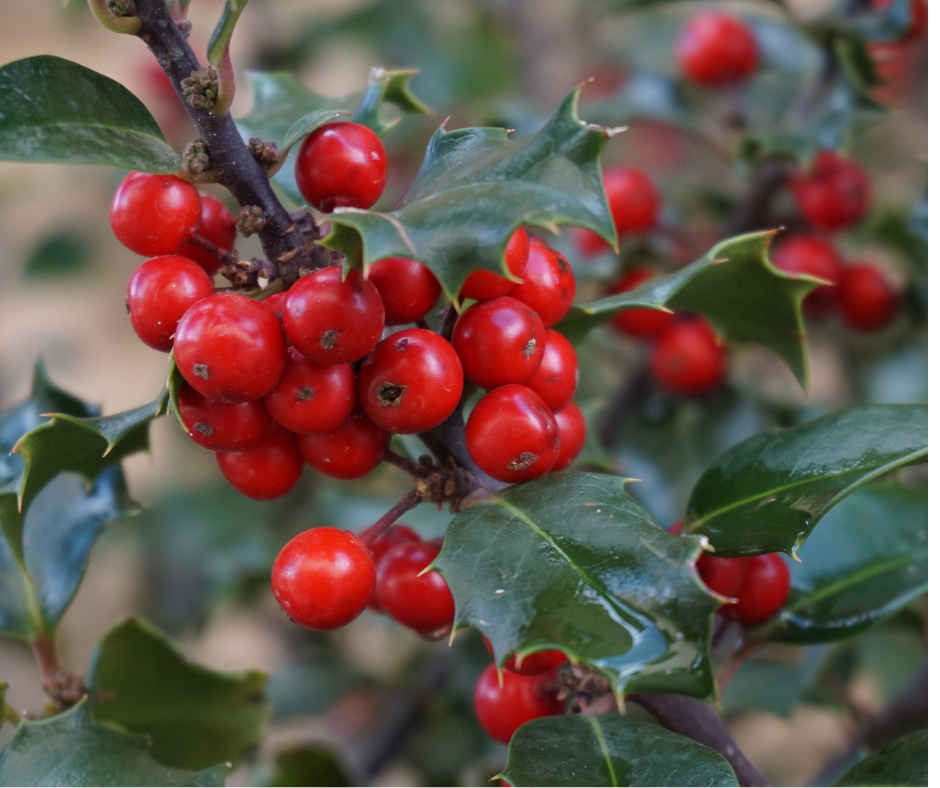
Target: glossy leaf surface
<point>903,763</point>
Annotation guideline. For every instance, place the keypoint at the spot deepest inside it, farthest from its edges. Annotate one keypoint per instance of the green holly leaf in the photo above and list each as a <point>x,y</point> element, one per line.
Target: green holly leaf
<point>222,35</point>
<point>774,682</point>
<point>566,562</point>
<point>194,716</point>
<point>581,749</point>
<point>54,110</point>
<point>308,765</point>
<point>767,493</point>
<point>903,763</point>
<point>475,187</point>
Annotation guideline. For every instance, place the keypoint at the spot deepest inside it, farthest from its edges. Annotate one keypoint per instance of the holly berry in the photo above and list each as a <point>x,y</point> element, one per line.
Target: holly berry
<point>572,432</point>
<point>230,347</point>
<point>803,254</point>
<point>501,710</point>
<point>276,302</point>
<point>411,382</point>
<point>408,289</point>
<point>834,194</point>
<point>341,165</point>
<point>222,426</point>
<point>512,435</point>
<point>556,379</point>
<point>332,321</point>
<point>217,225</point>
<point>422,602</point>
<point>639,323</point>
<point>391,537</point>
<point>154,214</point>
<point>310,397</point>
<point>866,301</point>
<point>159,293</point>
<point>537,664</point>
<point>716,50</point>
<point>688,360</point>
<point>267,470</point>
<point>323,578</point>
<point>722,575</point>
<point>763,590</point>
<point>548,285</point>
<point>500,341</point>
<point>633,198</point>
<point>348,452</point>
<point>484,285</point>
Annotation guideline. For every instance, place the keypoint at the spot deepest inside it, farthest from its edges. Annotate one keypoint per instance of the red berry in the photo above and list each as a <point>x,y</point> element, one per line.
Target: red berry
<point>350,451</point>
<point>323,578</point>
<point>310,397</point>
<point>408,289</point>
<point>230,347</point>
<point>834,194</point>
<point>411,382</point>
<point>548,285</point>
<point>722,575</point>
<point>158,295</point>
<point>716,49</point>
<point>341,165</point>
<point>634,200</point>
<point>276,302</point>
<point>763,590</point>
<point>154,214</point>
<point>223,426</point>
<point>512,435</point>
<point>556,379</point>
<point>589,243</point>
<point>501,710</point>
<point>331,321</point>
<point>484,285</point>
<point>268,469</point>
<point>803,254</point>
<point>639,323</point>
<point>537,664</point>
<point>572,432</point>
<point>391,537</point>
<point>866,300</point>
<point>217,225</point>
<point>420,602</point>
<point>687,359</point>
<point>499,341</point>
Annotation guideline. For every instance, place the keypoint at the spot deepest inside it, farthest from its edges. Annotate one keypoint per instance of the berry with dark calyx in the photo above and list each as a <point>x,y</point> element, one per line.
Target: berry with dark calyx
<point>331,321</point>
<point>484,285</point>
<point>411,382</point>
<point>556,379</point>
<point>548,285</point>
<point>502,709</point>
<point>537,664</point>
<point>803,254</point>
<point>867,302</point>
<point>391,537</point>
<point>311,397</point>
<point>512,435</point>
<point>499,341</point>
<point>154,214</point>
<point>834,194</point>
<point>408,288</point>
<point>217,225</point>
<point>639,323</point>
<point>348,452</point>
<point>722,575</point>
<point>267,470</point>
<point>341,165</point>
<point>230,347</point>
<point>158,294</point>
<point>422,602</point>
<point>323,578</point>
<point>717,50</point>
<point>572,432</point>
<point>763,591</point>
<point>222,426</point>
<point>687,359</point>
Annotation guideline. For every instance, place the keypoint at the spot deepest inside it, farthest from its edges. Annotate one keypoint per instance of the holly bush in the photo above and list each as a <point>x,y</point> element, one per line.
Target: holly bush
<point>495,332</point>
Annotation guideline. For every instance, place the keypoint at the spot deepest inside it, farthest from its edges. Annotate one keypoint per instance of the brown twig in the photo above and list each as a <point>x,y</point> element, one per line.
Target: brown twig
<point>409,467</point>
<point>406,504</point>
<point>222,255</point>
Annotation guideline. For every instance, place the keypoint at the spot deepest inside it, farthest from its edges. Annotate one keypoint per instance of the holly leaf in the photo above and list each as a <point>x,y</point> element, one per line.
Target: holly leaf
<point>54,110</point>
<point>194,716</point>
<point>767,493</point>
<point>582,749</point>
<point>567,562</point>
<point>900,764</point>
<point>72,749</point>
<point>773,682</point>
<point>475,187</point>
<point>222,35</point>
<point>308,765</point>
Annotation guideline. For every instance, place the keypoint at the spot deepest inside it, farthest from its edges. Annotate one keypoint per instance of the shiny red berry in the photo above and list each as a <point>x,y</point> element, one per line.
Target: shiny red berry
<point>572,432</point>
<point>722,575</point>
<point>341,165</point>
<point>350,451</point>
<point>154,214</point>
<point>687,359</point>
<point>715,49</point>
<point>556,379</point>
<point>834,194</point>
<point>639,323</point>
<point>323,578</point>
<point>867,302</point>
<point>501,710</point>
<point>230,347</point>
<point>548,285</point>
<point>411,382</point>
<point>223,426</point>
<point>159,293</point>
<point>391,537</point>
<point>310,397</point>
<point>276,302</point>
<point>499,341</point>
<point>409,290</point>
<point>634,200</point>
<point>331,321</point>
<point>803,254</point>
<point>763,590</point>
<point>217,225</point>
<point>267,470</point>
<point>537,664</point>
<point>421,602</point>
<point>484,285</point>
<point>511,434</point>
